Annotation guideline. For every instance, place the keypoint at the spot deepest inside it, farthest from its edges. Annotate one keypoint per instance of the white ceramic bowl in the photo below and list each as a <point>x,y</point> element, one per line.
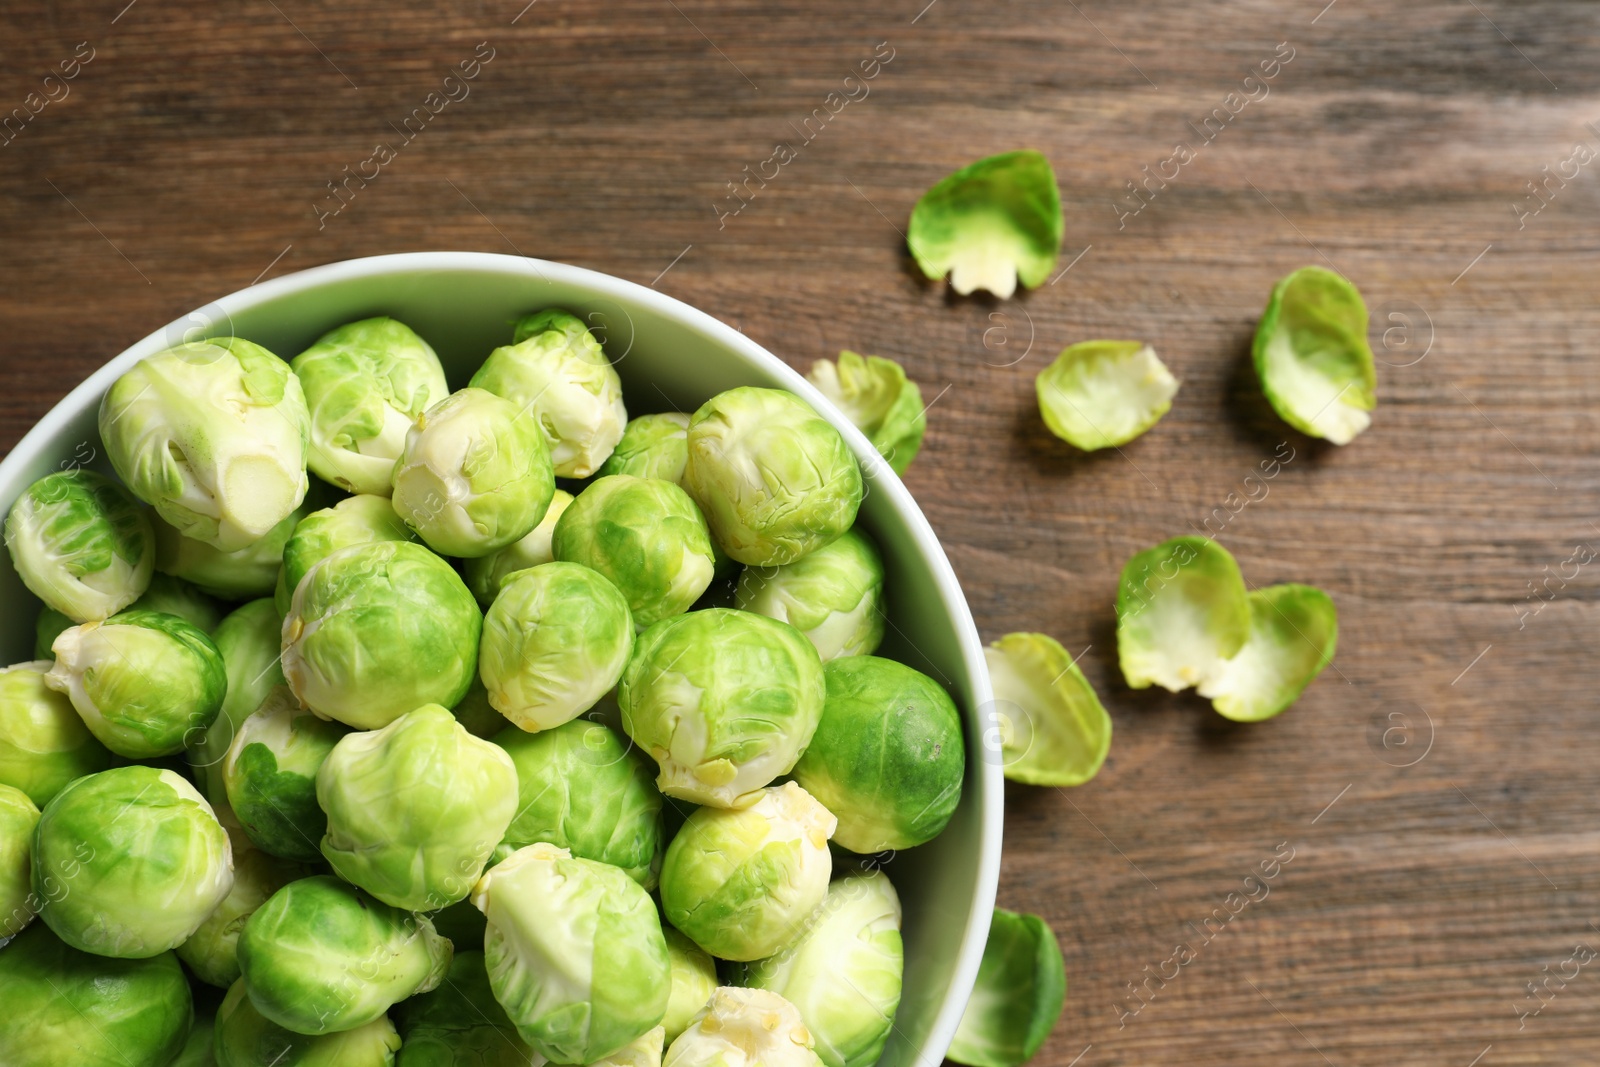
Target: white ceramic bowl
<point>670,357</point>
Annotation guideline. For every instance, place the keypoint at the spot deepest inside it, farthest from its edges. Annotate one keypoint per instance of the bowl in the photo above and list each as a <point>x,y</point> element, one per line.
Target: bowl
<point>670,357</point>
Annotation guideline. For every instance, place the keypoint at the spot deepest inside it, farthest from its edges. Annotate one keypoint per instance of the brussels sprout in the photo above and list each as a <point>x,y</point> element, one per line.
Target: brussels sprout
<point>129,862</point>
<point>555,641</point>
<point>888,755</point>
<point>644,534</point>
<point>213,434</point>
<point>742,883</point>
<point>145,683</point>
<point>81,543</point>
<point>63,1006</point>
<point>365,383</point>
<point>694,979</point>
<point>581,788</point>
<point>557,374</point>
<point>1294,630</point>
<point>246,574</point>
<point>1022,986</point>
<point>355,520</point>
<point>834,596</point>
<point>875,394</point>
<point>246,1038</point>
<point>377,630</point>
<point>1312,357</point>
<point>1053,728</point>
<point>211,951</point>
<point>574,952</point>
<point>416,808</point>
<point>774,478</point>
<point>644,1052</point>
<point>43,741</point>
<point>322,957</point>
<point>1182,609</point>
<point>486,575</point>
<point>18,819</point>
<point>270,775</point>
<point>174,596</point>
<point>744,1028</point>
<point>460,1023</point>
<point>249,641</point>
<point>844,973</point>
<point>652,446</point>
<point>723,700</point>
<point>1101,394</point>
<point>990,224</point>
<point>474,476</point>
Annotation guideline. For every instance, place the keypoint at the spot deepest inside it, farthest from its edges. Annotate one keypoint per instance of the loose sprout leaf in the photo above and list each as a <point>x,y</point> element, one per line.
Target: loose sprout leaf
<point>1312,357</point>
<point>1021,989</point>
<point>875,394</point>
<point>1294,630</point>
<point>1099,394</point>
<point>990,224</point>
<point>1182,608</point>
<point>1054,729</point>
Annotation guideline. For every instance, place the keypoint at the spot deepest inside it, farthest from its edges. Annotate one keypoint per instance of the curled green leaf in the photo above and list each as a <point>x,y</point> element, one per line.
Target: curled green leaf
<point>1312,357</point>
<point>990,224</point>
<point>1101,394</point>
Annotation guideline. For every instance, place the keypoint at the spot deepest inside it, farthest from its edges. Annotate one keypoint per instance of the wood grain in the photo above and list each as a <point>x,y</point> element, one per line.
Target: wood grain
<point>191,152</point>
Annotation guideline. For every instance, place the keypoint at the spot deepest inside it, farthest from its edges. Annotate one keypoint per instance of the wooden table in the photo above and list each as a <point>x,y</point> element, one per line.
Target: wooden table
<point>1436,788</point>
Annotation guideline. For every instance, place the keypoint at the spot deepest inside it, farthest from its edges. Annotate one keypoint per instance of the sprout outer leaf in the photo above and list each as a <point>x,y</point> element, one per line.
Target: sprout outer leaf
<point>1102,394</point>
<point>1021,989</point>
<point>1182,608</point>
<point>1061,733</point>
<point>1312,356</point>
<point>990,224</point>
<point>1294,630</point>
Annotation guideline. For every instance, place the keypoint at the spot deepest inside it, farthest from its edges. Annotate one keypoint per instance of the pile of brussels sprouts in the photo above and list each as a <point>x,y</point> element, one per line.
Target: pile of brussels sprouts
<point>522,733</point>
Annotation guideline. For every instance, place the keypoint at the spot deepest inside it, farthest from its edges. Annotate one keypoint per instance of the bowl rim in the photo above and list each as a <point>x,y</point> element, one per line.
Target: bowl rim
<point>990,779</point>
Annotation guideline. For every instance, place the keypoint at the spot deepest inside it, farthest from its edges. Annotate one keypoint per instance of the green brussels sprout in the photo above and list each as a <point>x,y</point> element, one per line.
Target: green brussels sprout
<point>574,952</point>
<point>355,520</point>
<point>322,957</point>
<point>888,755</point>
<point>1052,728</point>
<point>1312,356</point>
<point>129,862</point>
<point>246,1038</point>
<point>270,775</point>
<point>1294,630</point>
<point>652,446</point>
<point>694,979</point>
<point>1182,609</point>
<point>743,883</point>
<point>145,683</point>
<point>377,630</point>
<point>774,478</point>
<point>43,741</point>
<point>212,950</point>
<point>1102,394</point>
<point>81,543</point>
<point>248,640</point>
<point>744,1028</point>
<point>834,596</point>
<point>643,1052</point>
<point>557,372</point>
<point>486,575</point>
<point>18,819</point>
<point>365,384</point>
<point>1021,988</point>
<point>197,1048</point>
<point>474,476</point>
<point>644,534</point>
<point>415,809</point>
<point>723,700</point>
<point>174,596</point>
<point>245,574</point>
<point>555,640</point>
<point>213,434</point>
<point>64,1006</point>
<point>990,224</point>
<point>877,397</point>
<point>844,973</point>
<point>460,1023</point>
<point>582,789</point>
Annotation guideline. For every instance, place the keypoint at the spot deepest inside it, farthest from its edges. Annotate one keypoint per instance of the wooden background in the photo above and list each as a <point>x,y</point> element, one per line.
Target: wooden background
<point>1436,786</point>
